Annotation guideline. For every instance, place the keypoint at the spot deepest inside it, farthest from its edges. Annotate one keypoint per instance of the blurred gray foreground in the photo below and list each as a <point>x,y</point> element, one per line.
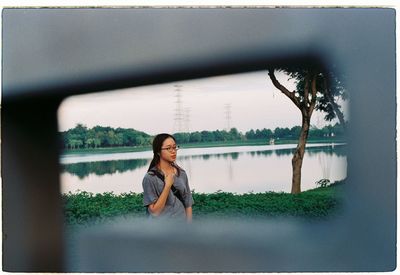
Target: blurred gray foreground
<point>274,245</point>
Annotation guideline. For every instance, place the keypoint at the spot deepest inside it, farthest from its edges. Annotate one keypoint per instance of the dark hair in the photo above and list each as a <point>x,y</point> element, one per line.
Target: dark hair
<point>157,145</point>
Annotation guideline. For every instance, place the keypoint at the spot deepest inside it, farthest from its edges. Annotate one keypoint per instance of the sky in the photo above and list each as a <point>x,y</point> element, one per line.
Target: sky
<point>249,99</point>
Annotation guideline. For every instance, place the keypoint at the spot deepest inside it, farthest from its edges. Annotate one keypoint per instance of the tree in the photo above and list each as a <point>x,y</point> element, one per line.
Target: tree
<point>250,134</point>
<point>119,139</point>
<point>295,131</point>
<point>195,137</point>
<point>219,136</point>
<point>281,132</point>
<point>314,90</point>
<point>234,133</point>
<point>97,142</point>
<point>182,138</point>
<point>266,133</point>
<point>139,140</point>
<point>207,136</point>
<point>333,89</point>
<point>338,130</point>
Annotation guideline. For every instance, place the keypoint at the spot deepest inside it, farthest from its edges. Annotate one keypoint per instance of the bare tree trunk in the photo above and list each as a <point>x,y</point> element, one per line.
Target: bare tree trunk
<point>297,160</point>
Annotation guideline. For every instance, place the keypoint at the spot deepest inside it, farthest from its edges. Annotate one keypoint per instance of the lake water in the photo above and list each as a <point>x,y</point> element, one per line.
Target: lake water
<point>239,169</point>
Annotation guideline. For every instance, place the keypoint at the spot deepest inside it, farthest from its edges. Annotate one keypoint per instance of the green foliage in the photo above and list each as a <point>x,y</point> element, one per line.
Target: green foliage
<point>82,138</point>
<point>311,204</point>
<point>323,183</point>
<point>83,207</point>
<point>330,85</point>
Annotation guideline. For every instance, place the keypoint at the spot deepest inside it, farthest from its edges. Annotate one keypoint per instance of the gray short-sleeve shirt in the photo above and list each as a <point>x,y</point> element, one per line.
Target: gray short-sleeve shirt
<point>153,187</point>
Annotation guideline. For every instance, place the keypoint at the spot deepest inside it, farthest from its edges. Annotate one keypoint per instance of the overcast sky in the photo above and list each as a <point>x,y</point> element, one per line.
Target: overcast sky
<point>254,104</point>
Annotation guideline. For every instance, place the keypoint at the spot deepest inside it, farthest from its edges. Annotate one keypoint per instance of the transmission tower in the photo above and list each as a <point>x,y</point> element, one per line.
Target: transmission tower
<point>179,116</point>
<point>187,120</point>
<point>228,116</point>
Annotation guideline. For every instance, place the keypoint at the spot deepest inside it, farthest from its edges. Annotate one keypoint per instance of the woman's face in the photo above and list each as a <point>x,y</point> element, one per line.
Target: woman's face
<point>168,150</point>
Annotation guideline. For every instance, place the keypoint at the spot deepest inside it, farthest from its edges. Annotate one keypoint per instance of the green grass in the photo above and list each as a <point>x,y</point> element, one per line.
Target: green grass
<point>83,207</point>
<point>311,140</point>
<point>106,150</point>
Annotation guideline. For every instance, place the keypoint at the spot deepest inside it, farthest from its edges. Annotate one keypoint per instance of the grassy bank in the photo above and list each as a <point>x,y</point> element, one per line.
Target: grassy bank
<point>194,145</point>
<point>84,207</point>
<point>106,150</point>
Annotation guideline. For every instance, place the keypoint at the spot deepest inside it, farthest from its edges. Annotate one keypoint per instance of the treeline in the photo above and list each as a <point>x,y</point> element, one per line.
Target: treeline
<point>264,134</point>
<point>102,137</point>
<point>98,136</point>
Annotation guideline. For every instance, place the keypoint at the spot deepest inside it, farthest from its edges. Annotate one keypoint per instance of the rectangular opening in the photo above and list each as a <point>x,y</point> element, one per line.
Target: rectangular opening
<point>237,134</point>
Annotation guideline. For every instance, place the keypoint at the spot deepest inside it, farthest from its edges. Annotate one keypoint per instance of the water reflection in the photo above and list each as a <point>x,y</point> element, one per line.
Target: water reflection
<point>261,153</point>
<point>235,171</point>
<point>233,156</point>
<point>339,150</point>
<point>100,168</point>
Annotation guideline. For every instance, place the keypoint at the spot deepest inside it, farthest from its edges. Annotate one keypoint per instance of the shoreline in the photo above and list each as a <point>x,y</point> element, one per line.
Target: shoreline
<point>85,157</point>
<point>113,150</point>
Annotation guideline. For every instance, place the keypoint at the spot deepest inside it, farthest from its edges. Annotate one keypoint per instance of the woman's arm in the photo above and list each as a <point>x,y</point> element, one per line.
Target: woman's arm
<point>157,207</point>
<point>189,214</point>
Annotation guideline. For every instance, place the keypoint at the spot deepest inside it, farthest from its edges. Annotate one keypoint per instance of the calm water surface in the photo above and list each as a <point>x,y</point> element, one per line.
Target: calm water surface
<point>239,169</point>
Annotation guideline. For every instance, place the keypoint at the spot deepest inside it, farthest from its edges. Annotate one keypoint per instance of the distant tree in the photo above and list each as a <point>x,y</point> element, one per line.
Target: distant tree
<point>315,132</point>
<point>140,141</point>
<point>99,136</point>
<point>281,132</point>
<point>234,133</point>
<point>226,136</point>
<point>250,134</point>
<point>219,136</point>
<point>89,143</point>
<point>295,132</point>
<point>119,139</point>
<point>207,136</point>
<point>182,138</point>
<point>266,133</point>
<point>338,129</point>
<point>195,137</point>
<point>96,142</point>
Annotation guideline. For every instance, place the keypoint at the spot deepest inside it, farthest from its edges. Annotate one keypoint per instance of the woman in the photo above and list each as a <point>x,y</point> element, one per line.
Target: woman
<point>165,185</point>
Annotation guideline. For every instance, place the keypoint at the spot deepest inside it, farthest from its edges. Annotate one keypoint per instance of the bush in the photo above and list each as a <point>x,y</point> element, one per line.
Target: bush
<point>321,202</point>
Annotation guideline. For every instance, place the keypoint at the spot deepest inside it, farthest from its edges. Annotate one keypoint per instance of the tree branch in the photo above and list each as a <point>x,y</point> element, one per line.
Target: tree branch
<point>283,89</point>
<point>331,100</point>
<point>306,89</point>
<point>313,94</point>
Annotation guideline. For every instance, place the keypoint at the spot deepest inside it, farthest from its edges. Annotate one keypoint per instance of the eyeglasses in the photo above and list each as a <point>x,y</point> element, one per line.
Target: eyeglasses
<point>171,149</point>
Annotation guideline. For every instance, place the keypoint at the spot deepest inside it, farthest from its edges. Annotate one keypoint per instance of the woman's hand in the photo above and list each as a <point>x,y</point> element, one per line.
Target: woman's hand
<point>169,179</point>
<point>157,207</point>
